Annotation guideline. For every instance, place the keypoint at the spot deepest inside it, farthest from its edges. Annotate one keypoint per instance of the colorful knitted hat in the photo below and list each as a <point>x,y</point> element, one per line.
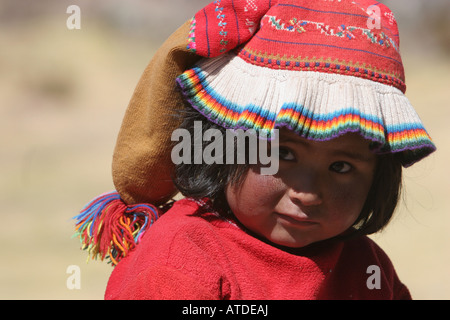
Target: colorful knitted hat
<point>321,68</point>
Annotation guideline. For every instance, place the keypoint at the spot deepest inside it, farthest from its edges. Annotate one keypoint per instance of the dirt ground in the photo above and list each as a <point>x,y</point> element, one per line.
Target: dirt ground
<point>62,98</point>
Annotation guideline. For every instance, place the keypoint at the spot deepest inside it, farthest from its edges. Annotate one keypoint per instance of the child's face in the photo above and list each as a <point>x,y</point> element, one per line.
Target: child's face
<point>318,193</point>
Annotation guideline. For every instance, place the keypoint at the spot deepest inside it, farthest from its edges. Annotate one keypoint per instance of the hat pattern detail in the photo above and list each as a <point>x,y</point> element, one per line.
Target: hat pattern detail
<point>320,68</point>
<point>225,24</point>
<point>341,31</point>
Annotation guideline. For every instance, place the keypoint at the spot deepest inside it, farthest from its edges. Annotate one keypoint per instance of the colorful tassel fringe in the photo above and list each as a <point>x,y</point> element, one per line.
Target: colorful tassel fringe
<point>108,228</point>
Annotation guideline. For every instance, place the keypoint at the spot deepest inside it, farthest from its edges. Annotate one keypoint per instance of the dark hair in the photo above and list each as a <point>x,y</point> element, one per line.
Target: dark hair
<point>383,196</point>
<point>209,180</point>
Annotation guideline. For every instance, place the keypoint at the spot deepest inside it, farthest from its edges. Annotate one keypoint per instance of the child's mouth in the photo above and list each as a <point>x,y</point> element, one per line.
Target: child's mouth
<point>296,220</point>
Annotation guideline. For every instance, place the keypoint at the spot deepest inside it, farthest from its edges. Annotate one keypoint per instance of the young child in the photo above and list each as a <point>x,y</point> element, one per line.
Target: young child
<point>324,81</point>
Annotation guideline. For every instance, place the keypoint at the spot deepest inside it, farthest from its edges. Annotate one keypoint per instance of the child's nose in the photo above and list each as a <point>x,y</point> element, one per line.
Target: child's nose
<point>305,198</point>
<point>304,187</point>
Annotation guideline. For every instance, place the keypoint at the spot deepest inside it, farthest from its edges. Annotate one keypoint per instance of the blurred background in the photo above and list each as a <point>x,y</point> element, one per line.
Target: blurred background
<point>63,94</point>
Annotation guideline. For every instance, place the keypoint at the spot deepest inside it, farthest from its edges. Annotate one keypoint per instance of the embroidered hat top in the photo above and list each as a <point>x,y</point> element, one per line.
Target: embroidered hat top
<point>319,67</point>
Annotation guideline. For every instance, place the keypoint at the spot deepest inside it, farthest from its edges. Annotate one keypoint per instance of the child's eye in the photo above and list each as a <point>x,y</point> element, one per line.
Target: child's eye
<point>341,167</point>
<point>286,154</point>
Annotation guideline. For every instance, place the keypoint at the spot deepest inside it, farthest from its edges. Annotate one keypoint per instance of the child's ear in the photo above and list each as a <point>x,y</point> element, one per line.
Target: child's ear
<point>142,167</point>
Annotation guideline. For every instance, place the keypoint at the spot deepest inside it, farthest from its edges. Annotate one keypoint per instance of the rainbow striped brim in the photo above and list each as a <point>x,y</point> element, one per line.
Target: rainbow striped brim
<point>318,106</point>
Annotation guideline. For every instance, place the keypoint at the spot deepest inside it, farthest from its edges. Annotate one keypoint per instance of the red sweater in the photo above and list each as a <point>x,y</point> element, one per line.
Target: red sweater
<point>190,253</point>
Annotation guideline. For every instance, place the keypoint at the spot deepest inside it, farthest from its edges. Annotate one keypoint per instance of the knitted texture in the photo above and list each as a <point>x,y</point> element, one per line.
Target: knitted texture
<point>320,68</point>
<point>345,37</point>
<point>225,24</point>
<point>317,106</point>
<point>329,36</point>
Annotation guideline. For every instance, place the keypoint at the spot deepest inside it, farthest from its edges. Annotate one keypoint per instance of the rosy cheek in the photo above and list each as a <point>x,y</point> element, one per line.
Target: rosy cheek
<point>257,194</point>
<point>263,185</point>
